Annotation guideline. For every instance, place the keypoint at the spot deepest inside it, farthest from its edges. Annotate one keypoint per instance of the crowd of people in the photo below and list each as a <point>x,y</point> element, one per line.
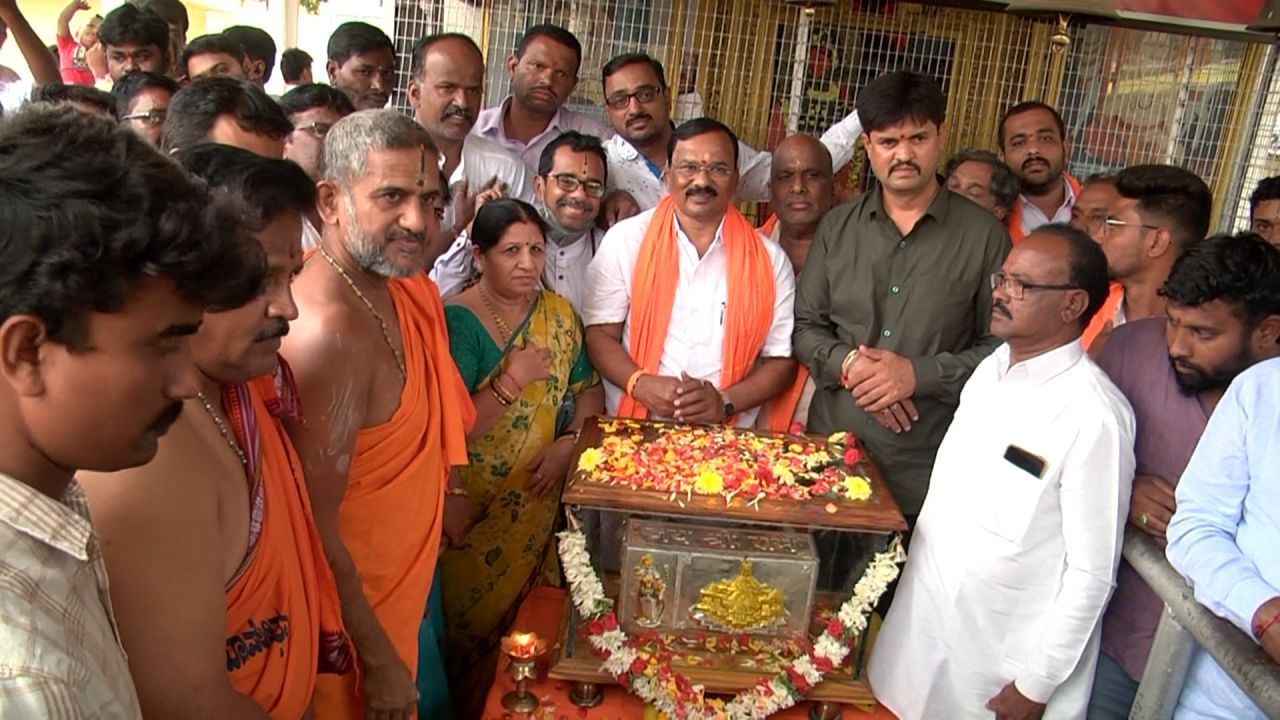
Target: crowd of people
<point>318,368</point>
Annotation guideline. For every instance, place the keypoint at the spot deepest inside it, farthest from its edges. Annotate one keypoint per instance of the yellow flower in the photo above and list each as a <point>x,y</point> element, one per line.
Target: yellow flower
<point>856,488</point>
<point>782,471</point>
<point>838,438</point>
<point>590,459</point>
<point>708,482</point>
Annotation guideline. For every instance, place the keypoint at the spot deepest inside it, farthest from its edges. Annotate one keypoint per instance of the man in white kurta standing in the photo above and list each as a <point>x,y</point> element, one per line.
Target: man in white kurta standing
<point>1015,552</point>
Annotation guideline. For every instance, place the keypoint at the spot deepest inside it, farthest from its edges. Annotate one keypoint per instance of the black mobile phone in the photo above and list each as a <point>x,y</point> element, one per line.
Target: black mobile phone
<point>1024,460</point>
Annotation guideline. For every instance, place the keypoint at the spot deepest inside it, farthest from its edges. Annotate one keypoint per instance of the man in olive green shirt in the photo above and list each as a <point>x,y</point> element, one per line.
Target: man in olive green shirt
<point>894,305</point>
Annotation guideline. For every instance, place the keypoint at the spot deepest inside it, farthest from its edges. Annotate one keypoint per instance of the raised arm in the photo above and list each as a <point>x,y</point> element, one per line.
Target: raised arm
<point>68,12</point>
<point>43,66</point>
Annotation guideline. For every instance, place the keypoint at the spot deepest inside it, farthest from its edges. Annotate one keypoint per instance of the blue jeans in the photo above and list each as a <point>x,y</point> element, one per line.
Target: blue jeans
<point>1113,691</point>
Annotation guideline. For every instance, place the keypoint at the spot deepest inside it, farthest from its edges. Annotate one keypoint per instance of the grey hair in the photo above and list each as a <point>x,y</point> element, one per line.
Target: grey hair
<point>1004,186</point>
<point>349,141</point>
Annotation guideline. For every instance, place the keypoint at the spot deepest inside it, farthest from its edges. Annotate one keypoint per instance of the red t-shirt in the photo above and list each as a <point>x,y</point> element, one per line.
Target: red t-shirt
<point>74,70</point>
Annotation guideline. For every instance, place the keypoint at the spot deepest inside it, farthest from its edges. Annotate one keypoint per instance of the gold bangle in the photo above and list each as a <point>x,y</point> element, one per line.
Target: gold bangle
<point>851,357</point>
<point>502,399</point>
<point>506,392</point>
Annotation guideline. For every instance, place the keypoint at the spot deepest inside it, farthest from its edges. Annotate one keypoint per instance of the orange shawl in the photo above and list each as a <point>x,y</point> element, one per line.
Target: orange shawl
<point>781,409</point>
<point>1014,221</point>
<point>283,618</point>
<point>748,315</point>
<point>393,510</point>
<point>1105,314</point>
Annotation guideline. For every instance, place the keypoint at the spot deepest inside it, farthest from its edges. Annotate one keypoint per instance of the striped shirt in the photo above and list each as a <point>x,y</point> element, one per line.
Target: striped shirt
<point>60,655</point>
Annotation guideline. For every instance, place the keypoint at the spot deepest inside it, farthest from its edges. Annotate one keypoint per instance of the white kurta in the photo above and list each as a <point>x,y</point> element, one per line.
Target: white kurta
<point>1008,573</point>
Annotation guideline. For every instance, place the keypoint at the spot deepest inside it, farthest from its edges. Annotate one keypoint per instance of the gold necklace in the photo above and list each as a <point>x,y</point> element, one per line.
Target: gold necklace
<point>222,428</point>
<point>504,330</point>
<point>386,334</point>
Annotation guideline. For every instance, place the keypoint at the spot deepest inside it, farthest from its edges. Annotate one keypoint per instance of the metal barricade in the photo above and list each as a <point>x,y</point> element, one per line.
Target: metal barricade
<point>1184,624</point>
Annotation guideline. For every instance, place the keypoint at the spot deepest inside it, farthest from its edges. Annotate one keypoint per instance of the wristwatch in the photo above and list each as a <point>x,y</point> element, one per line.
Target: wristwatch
<point>729,409</point>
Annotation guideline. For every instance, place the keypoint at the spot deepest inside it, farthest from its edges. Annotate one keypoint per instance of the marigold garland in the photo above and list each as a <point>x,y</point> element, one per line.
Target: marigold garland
<point>652,678</point>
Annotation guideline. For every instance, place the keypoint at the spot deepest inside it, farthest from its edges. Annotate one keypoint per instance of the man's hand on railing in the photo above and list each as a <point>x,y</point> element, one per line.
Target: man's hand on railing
<point>1152,505</point>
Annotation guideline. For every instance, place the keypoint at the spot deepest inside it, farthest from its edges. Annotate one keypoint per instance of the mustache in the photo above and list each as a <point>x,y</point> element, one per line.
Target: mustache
<point>905,163</point>
<point>456,111</point>
<point>638,116</point>
<point>278,329</point>
<point>395,235</point>
<point>1000,307</point>
<point>167,418</point>
<point>575,203</point>
<point>701,190</point>
<point>1027,163</point>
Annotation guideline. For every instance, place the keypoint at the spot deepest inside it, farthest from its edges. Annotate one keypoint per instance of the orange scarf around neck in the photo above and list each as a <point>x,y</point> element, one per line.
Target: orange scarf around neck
<point>748,314</point>
<point>1014,221</point>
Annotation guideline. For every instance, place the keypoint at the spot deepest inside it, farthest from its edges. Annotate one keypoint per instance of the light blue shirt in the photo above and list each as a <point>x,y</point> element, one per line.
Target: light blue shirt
<point>1224,536</point>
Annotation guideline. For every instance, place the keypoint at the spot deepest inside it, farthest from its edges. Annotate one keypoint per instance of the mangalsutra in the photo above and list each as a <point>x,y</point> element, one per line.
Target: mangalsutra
<point>503,328</point>
<point>386,333</point>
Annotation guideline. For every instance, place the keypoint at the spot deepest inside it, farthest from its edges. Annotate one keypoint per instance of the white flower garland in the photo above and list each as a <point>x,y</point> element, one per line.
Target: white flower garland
<point>675,696</point>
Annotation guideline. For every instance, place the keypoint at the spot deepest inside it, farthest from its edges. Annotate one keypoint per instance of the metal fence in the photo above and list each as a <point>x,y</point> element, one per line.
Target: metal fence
<point>766,68</point>
<point>1184,624</point>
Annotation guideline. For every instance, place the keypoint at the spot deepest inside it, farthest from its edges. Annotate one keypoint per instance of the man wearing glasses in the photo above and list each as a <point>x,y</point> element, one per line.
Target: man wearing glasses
<point>1159,211</point>
<point>1017,544</point>
<point>312,109</point>
<point>446,85</point>
<point>142,102</point>
<point>569,189</point>
<point>638,103</point>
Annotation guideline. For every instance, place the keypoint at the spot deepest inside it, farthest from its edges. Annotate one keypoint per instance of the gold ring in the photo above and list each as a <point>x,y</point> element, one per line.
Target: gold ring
<point>1142,518</point>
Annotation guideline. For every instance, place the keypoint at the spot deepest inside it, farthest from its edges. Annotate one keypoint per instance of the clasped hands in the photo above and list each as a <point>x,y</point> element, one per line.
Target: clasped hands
<point>685,398</point>
<point>882,383</point>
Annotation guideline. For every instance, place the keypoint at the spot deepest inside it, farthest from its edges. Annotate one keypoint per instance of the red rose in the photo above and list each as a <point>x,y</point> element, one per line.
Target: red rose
<point>595,627</point>
<point>851,456</point>
<point>797,680</point>
<point>822,664</point>
<point>835,629</point>
<point>637,666</point>
<point>610,622</point>
<point>796,428</point>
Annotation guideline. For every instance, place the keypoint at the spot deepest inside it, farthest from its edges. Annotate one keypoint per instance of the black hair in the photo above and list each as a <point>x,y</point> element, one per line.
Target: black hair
<point>196,107</point>
<point>173,12</point>
<point>637,58</point>
<point>130,25</point>
<point>357,38</point>
<point>700,126</point>
<point>901,95</point>
<point>92,211</point>
<point>294,62</point>
<point>130,85</point>
<point>57,92</point>
<point>257,45</point>
<point>209,45</point>
<point>495,217</point>
<point>1004,184</point>
<point>1102,177</point>
<point>315,95</point>
<point>418,55</point>
<point>1087,266</point>
<point>1172,194</point>
<point>555,34</point>
<point>263,187</point>
<point>1028,106</point>
<point>576,141</point>
<point>1268,189</point>
<point>1241,270</point>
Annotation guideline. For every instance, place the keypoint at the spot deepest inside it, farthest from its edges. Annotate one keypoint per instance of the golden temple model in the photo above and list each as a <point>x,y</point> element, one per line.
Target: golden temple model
<point>740,604</point>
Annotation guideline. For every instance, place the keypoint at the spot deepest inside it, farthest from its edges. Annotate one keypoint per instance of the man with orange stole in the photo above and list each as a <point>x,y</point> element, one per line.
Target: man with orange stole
<point>387,412</point>
<point>226,603</point>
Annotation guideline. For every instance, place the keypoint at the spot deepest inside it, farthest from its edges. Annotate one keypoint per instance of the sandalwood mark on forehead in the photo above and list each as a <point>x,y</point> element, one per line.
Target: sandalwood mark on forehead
<point>422,167</point>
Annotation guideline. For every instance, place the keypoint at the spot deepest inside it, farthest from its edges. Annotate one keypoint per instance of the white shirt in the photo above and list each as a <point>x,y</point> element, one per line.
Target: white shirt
<point>1033,217</point>
<point>60,656</point>
<point>489,125</point>
<point>482,160</point>
<point>1009,573</point>
<point>695,336</point>
<point>630,171</point>
<point>565,272</point>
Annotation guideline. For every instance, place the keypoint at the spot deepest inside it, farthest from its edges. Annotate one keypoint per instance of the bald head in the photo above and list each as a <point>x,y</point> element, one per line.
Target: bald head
<point>801,183</point>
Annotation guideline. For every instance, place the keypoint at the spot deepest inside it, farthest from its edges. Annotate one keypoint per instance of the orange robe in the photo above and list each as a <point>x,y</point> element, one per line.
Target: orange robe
<point>283,618</point>
<point>393,511</point>
<point>1014,221</point>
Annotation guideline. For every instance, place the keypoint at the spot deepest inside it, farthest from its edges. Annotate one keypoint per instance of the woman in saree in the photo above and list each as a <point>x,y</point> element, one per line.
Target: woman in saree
<point>521,352</point>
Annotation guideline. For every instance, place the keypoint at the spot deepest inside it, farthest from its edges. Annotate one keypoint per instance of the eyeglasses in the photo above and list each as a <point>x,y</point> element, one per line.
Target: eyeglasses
<point>150,117</point>
<point>1016,289</point>
<point>319,129</point>
<point>569,182</point>
<point>643,94</point>
<point>688,171</point>
<point>1110,223</point>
